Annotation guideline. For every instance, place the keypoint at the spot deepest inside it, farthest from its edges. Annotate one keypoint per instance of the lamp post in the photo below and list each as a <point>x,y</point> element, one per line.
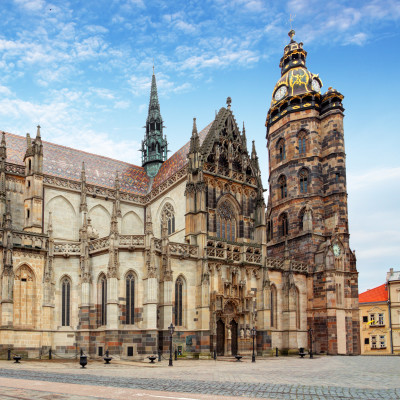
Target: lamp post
<point>310,332</point>
<point>171,329</point>
<point>253,333</point>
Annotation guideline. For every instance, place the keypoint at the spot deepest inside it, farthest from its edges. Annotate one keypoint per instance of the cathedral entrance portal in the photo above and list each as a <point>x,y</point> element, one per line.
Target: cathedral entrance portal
<point>234,342</point>
<point>220,338</point>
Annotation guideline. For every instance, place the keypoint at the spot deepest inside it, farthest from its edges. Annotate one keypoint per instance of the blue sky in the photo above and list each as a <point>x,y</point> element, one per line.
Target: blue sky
<point>82,69</point>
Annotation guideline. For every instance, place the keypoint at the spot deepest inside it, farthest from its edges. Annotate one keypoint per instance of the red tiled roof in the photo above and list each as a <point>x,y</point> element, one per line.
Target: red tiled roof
<point>374,295</point>
<point>65,162</point>
<point>177,160</point>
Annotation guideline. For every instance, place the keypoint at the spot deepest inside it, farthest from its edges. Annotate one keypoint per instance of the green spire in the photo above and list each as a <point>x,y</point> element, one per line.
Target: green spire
<point>154,146</point>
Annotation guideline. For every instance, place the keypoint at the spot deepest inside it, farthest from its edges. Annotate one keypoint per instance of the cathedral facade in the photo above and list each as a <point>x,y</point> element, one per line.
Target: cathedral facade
<point>99,254</point>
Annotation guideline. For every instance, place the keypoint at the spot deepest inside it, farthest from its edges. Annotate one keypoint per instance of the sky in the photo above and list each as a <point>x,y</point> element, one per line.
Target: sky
<point>82,70</point>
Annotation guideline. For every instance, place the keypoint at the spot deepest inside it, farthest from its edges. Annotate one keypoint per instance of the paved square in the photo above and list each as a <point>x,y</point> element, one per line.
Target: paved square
<point>322,378</point>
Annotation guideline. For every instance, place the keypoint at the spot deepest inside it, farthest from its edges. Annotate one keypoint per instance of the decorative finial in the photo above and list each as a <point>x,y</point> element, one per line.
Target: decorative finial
<point>228,102</point>
<point>244,129</point>
<point>291,34</point>
<point>194,130</point>
<point>38,131</point>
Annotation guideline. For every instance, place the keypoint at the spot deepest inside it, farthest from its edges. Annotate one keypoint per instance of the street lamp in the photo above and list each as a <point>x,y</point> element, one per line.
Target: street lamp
<point>253,333</point>
<point>310,332</point>
<point>171,329</point>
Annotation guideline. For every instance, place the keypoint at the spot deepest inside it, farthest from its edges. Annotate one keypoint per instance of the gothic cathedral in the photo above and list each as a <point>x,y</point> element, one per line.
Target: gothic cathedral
<point>99,254</point>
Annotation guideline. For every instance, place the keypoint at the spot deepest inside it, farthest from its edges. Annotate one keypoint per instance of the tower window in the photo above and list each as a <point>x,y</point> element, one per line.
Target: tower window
<point>282,187</point>
<point>281,150</point>
<point>302,143</point>
<point>337,176</point>
<point>28,213</point>
<point>178,302</point>
<point>303,177</point>
<point>283,224</point>
<point>168,218</point>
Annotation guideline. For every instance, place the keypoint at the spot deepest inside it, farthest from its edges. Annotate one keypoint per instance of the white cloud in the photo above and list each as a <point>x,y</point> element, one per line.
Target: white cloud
<point>5,90</point>
<point>31,5</point>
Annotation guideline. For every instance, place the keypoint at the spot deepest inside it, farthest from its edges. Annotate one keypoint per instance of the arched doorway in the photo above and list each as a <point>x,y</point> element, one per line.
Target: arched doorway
<point>234,342</point>
<point>220,337</point>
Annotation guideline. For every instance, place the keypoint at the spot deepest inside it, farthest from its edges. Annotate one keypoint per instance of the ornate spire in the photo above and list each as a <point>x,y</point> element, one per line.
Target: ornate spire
<point>3,147</point>
<point>154,146</point>
<point>149,222</point>
<point>114,221</point>
<point>83,206</point>
<point>3,188</point>
<point>194,140</point>
<point>244,138</point>
<point>117,196</point>
<point>38,132</point>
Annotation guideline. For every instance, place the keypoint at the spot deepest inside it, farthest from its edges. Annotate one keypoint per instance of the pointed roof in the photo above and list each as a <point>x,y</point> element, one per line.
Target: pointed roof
<point>154,105</point>
<point>375,295</point>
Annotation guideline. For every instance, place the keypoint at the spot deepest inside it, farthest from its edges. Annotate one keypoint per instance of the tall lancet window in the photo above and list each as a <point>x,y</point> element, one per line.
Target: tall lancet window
<point>179,302</point>
<point>168,215</point>
<point>130,299</point>
<point>226,221</point>
<point>65,302</point>
<point>103,300</point>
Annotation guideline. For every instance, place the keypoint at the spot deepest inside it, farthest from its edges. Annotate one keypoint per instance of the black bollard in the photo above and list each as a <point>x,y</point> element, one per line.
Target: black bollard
<point>176,354</point>
<point>276,352</point>
<point>9,354</point>
<point>82,359</point>
<point>50,354</point>
<point>159,355</point>
<point>215,354</point>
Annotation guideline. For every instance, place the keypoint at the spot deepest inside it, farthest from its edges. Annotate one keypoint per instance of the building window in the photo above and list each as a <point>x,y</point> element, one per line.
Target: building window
<point>365,318</point>
<point>373,342</point>
<point>380,319</point>
<point>65,302</point>
<point>366,341</point>
<point>274,310</point>
<point>226,221</point>
<point>281,150</point>
<point>337,175</point>
<point>303,176</point>
<point>130,299</point>
<point>372,319</point>
<point>103,300</point>
<point>382,341</point>
<point>282,187</point>
<point>302,143</point>
<point>178,301</point>
<point>283,224</point>
<point>168,218</point>
<point>270,232</point>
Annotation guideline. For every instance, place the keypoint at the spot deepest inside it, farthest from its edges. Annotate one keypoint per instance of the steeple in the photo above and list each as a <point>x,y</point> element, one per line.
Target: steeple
<point>154,146</point>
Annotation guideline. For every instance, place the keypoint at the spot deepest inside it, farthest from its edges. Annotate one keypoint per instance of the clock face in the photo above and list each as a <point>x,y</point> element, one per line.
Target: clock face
<point>336,250</point>
<point>315,85</point>
<point>280,93</point>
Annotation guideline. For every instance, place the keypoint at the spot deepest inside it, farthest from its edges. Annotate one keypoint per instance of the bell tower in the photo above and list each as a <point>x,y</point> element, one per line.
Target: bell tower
<point>154,146</point>
<point>307,205</point>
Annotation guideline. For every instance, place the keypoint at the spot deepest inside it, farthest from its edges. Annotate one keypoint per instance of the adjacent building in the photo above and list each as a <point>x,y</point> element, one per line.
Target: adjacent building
<point>375,321</point>
<point>393,284</point>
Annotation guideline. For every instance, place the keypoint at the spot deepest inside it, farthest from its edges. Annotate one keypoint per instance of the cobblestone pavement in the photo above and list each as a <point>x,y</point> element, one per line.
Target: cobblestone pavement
<point>323,378</point>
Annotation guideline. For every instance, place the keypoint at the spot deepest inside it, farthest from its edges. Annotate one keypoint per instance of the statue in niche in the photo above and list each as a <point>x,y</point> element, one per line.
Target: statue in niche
<point>307,219</point>
<point>241,333</point>
<point>229,332</point>
<point>248,333</point>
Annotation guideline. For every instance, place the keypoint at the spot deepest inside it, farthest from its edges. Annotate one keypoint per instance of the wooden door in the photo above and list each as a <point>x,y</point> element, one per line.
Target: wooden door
<point>220,338</point>
<point>234,342</point>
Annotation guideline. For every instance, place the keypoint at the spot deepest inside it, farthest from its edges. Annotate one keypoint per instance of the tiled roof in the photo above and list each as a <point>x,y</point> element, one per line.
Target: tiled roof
<point>374,295</point>
<point>65,162</point>
<point>177,160</point>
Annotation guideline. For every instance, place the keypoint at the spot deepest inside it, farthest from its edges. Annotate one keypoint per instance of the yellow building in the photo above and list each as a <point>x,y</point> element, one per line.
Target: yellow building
<point>375,321</point>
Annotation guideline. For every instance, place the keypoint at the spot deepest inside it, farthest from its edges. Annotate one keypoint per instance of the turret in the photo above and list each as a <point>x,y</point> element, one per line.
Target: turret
<point>154,146</point>
<point>33,203</point>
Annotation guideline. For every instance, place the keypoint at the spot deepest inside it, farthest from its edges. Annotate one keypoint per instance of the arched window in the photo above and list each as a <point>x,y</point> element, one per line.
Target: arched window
<point>303,177</point>
<point>302,143</point>
<point>130,299</point>
<point>274,307</point>
<point>281,150</point>
<point>226,221</point>
<point>282,187</point>
<point>65,302</point>
<point>297,308</point>
<point>283,224</point>
<point>24,296</point>
<point>270,230</point>
<point>168,217</point>
<point>179,302</point>
<point>103,300</point>
<point>301,220</point>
